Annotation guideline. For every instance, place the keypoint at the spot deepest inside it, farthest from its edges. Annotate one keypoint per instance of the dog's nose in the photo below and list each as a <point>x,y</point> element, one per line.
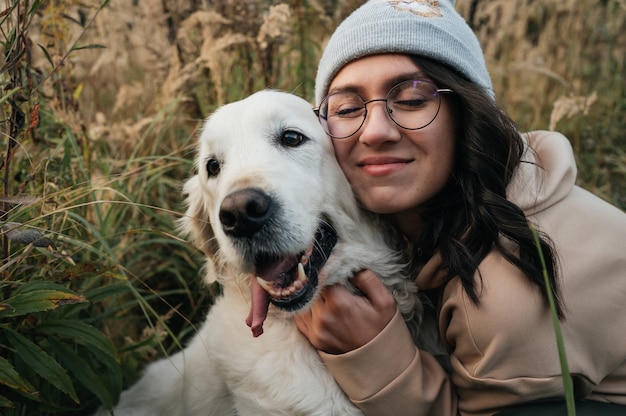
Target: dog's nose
<point>245,211</point>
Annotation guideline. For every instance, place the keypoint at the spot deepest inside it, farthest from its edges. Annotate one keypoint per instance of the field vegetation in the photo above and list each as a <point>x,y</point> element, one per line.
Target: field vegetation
<point>100,105</point>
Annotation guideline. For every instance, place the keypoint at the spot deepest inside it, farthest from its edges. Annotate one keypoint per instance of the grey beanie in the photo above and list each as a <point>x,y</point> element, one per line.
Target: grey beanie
<point>428,28</point>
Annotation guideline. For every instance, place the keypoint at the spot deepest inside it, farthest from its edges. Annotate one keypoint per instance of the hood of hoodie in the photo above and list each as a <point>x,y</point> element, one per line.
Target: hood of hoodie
<point>546,174</point>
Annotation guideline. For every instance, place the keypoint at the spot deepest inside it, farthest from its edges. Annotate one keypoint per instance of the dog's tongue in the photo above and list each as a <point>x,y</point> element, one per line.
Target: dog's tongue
<point>260,299</point>
<point>258,308</point>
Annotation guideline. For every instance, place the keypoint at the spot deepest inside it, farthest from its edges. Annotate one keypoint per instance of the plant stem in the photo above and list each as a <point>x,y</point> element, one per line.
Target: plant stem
<point>568,385</point>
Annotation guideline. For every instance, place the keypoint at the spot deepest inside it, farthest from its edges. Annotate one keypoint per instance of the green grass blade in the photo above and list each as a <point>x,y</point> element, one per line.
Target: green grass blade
<point>568,385</point>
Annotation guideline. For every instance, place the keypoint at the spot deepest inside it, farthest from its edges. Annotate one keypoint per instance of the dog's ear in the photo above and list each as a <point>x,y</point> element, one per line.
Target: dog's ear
<point>196,224</point>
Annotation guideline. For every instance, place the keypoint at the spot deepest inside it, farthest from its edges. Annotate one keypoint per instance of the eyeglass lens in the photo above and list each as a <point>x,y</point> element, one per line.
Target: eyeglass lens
<point>412,105</point>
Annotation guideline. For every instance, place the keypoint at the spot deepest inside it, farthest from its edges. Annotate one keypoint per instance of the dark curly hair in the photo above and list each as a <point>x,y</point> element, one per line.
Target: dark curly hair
<point>472,215</point>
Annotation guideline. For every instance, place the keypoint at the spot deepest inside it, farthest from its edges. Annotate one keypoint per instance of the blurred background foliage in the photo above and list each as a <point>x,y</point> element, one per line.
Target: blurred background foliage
<point>100,104</point>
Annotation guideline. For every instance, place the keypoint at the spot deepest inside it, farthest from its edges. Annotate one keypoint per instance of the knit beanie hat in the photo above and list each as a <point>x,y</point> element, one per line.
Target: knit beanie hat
<point>429,28</point>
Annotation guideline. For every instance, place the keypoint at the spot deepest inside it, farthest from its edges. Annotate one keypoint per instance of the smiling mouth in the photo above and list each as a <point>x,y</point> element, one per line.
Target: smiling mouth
<point>288,282</point>
<point>383,160</point>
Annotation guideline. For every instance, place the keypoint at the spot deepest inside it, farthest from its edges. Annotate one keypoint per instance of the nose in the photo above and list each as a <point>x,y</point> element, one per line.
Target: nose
<point>378,127</point>
<point>244,212</point>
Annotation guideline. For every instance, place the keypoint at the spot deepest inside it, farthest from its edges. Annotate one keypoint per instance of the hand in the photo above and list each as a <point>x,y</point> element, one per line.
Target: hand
<point>341,321</point>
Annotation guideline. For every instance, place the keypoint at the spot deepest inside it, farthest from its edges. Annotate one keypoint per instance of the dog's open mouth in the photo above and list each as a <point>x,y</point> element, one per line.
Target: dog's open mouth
<point>288,282</point>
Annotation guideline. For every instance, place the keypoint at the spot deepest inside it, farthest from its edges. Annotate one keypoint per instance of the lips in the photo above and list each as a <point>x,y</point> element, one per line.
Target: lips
<point>288,282</point>
<point>382,160</point>
<point>382,165</point>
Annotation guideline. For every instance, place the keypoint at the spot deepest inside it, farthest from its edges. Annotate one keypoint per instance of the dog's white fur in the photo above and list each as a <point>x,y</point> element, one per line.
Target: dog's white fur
<point>225,370</point>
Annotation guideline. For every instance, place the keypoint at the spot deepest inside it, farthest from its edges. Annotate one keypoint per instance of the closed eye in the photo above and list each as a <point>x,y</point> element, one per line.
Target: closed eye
<point>410,105</point>
<point>349,112</point>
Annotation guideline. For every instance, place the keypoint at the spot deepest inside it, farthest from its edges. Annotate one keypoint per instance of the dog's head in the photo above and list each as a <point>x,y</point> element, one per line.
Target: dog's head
<point>265,197</point>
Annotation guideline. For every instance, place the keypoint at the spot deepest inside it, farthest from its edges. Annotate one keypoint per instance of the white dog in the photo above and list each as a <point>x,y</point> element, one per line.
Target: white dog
<point>276,218</point>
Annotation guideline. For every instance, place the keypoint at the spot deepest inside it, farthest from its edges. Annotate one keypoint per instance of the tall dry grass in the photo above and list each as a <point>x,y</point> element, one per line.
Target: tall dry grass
<point>112,94</point>
<point>555,64</point>
<point>560,64</point>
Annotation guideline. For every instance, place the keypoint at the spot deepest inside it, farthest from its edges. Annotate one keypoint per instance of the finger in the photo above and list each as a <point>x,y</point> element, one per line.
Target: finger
<point>368,282</point>
<point>335,298</point>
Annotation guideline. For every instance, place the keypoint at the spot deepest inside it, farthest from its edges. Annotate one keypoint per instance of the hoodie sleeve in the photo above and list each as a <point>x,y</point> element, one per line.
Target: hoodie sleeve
<point>390,376</point>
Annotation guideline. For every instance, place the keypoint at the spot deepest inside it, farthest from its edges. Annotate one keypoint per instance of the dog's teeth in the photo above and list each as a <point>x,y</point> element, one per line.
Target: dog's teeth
<point>306,256</point>
<point>299,283</point>
<point>276,293</point>
<point>302,277</point>
<point>265,284</point>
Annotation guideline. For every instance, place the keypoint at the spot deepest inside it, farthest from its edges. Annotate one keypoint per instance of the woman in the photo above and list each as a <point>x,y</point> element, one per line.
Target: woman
<point>404,93</point>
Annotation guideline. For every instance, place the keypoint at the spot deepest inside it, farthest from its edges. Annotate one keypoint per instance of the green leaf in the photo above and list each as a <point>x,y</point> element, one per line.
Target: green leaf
<point>109,291</point>
<point>93,46</point>
<point>34,285</point>
<point>7,95</point>
<point>11,378</point>
<point>4,402</point>
<point>34,7</point>
<point>41,363</point>
<point>81,333</point>
<point>82,371</point>
<point>46,54</point>
<point>37,301</point>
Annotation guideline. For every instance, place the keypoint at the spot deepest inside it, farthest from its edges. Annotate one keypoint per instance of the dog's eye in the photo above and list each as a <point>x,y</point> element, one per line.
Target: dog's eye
<point>213,167</point>
<point>292,138</point>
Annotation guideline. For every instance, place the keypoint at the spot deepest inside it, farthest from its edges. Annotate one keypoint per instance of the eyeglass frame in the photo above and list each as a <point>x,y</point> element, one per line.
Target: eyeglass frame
<point>388,110</point>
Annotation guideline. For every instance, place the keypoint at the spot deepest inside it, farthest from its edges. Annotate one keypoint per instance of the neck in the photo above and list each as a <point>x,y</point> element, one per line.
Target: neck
<point>409,223</point>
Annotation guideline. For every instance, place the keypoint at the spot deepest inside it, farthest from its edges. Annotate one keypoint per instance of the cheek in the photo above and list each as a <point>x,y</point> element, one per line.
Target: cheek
<point>448,156</point>
<point>438,160</point>
<point>341,154</point>
<point>444,162</point>
<point>447,140</point>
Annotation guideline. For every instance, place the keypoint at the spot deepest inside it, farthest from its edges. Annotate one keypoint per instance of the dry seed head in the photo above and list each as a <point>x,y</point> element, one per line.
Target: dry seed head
<point>275,26</point>
<point>567,107</point>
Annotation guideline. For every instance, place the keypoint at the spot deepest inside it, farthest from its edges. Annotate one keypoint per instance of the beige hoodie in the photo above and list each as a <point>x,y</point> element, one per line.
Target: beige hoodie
<point>503,351</point>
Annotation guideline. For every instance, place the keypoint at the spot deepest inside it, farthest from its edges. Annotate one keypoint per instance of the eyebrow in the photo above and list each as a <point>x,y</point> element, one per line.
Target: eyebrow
<point>416,75</point>
<point>387,85</point>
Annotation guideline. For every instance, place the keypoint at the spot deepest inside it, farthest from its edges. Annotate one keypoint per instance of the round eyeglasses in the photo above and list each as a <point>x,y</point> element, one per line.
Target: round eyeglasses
<point>412,105</point>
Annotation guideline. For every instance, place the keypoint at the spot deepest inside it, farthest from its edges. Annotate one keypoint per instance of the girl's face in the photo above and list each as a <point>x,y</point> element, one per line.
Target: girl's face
<point>393,170</point>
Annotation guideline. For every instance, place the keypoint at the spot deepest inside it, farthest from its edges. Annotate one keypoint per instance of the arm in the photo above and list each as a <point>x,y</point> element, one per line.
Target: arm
<point>368,349</point>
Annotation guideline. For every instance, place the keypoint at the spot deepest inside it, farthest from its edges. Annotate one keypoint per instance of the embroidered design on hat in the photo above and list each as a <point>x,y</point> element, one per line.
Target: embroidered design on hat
<point>424,8</point>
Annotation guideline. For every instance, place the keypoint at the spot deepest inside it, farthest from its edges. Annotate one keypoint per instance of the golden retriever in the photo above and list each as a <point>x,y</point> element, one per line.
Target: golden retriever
<point>276,218</point>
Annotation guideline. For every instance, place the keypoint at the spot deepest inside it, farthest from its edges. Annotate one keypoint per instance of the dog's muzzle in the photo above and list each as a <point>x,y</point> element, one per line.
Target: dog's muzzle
<point>291,281</point>
<point>287,281</point>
